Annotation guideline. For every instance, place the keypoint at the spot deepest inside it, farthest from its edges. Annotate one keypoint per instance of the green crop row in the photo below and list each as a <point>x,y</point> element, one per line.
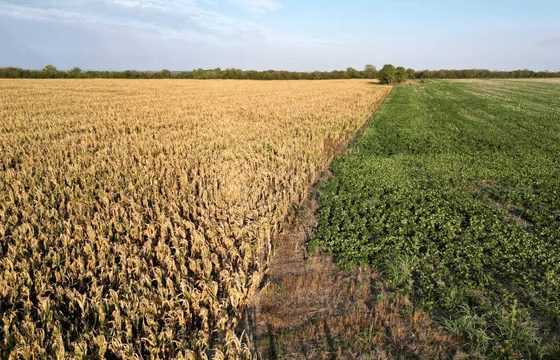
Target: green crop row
<point>453,192</point>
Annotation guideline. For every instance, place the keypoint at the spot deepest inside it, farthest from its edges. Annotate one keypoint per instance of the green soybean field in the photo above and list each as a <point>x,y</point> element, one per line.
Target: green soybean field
<point>452,191</point>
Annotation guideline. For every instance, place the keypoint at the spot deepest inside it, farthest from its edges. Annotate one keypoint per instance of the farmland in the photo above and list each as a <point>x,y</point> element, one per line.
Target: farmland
<point>453,193</point>
<point>136,217</point>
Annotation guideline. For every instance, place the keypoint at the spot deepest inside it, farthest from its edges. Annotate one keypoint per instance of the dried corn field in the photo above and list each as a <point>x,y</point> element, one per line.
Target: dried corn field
<point>136,216</point>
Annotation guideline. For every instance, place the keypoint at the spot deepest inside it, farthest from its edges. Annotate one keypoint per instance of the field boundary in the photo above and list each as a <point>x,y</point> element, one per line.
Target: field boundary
<point>304,296</point>
<point>289,249</point>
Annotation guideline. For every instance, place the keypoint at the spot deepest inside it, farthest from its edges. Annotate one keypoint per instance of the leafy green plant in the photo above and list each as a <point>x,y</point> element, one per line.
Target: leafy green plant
<point>463,178</point>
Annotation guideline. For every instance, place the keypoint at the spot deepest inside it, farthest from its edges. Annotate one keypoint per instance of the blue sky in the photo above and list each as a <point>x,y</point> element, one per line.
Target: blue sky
<point>280,34</point>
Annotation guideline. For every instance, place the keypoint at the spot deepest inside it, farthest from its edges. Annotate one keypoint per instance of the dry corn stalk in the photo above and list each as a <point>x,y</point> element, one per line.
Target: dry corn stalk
<point>134,214</point>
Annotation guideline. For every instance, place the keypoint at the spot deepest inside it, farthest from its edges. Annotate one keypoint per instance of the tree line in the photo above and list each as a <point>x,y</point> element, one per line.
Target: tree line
<point>51,72</point>
<point>389,74</point>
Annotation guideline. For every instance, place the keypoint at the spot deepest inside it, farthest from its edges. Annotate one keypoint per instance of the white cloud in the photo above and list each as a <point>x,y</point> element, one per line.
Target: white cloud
<point>257,6</point>
<point>160,5</point>
<point>37,13</point>
<point>135,33</point>
<point>172,20</point>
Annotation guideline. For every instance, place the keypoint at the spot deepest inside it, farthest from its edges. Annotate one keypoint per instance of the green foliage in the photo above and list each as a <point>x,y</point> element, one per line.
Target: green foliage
<point>369,72</point>
<point>352,73</point>
<point>391,75</point>
<point>400,75</point>
<point>410,73</point>
<point>387,74</point>
<point>50,72</point>
<point>50,69</point>
<point>453,192</point>
<point>165,74</point>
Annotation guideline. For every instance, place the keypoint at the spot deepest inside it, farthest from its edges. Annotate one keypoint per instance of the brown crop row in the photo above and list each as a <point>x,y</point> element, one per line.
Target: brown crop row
<point>134,215</point>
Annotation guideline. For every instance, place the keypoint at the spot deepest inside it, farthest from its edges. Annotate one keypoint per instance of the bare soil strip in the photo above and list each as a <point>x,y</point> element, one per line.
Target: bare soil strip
<point>310,309</point>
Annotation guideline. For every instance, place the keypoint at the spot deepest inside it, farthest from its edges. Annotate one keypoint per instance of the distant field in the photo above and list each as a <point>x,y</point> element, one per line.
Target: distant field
<point>453,191</point>
<point>505,81</point>
<point>135,216</point>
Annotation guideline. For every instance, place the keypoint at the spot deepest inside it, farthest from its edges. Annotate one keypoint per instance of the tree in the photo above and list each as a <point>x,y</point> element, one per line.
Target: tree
<point>75,72</point>
<point>11,72</point>
<point>50,71</point>
<point>352,73</point>
<point>50,68</point>
<point>387,74</point>
<point>165,74</point>
<point>370,72</point>
<point>400,75</point>
<point>411,73</point>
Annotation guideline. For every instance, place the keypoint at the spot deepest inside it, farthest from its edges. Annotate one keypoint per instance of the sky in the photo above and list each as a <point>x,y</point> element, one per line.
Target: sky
<point>280,34</point>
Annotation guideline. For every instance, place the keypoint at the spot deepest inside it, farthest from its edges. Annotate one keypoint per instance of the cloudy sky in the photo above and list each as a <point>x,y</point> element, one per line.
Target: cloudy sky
<point>280,34</point>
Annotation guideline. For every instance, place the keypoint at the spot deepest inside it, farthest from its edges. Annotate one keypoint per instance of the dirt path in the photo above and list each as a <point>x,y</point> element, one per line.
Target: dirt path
<point>309,309</point>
